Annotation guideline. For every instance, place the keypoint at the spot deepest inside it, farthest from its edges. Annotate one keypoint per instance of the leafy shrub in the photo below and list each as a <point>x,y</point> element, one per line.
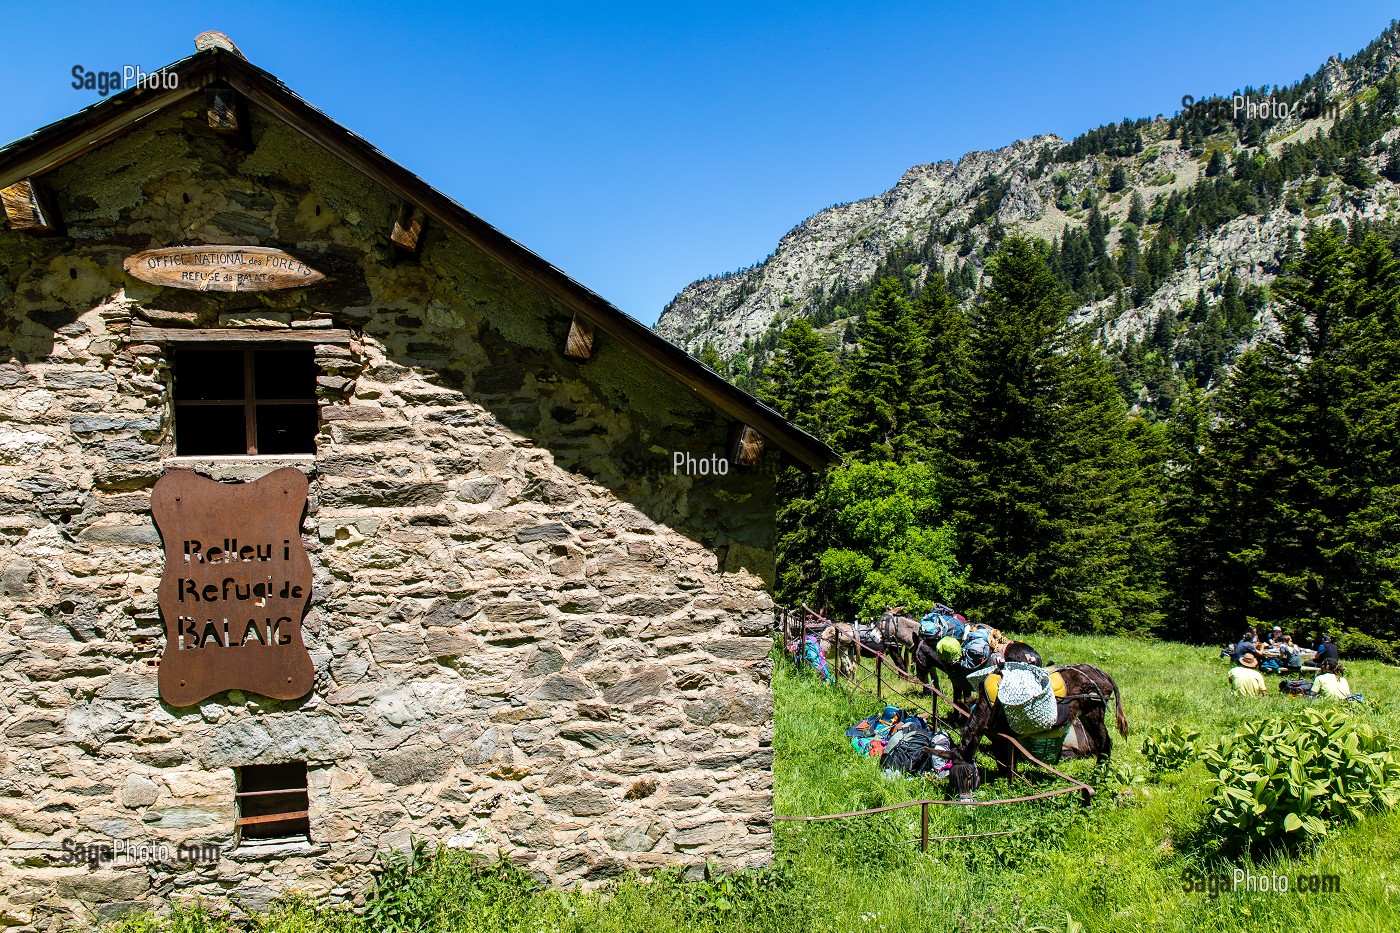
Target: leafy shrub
<point>887,548</point>
<point>1120,782</point>
<point>1172,748</point>
<point>1360,645</point>
<point>448,889</point>
<point>1286,780</point>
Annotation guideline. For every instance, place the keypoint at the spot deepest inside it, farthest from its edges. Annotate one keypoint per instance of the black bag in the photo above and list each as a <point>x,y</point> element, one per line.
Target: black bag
<point>913,754</point>
<point>1296,688</point>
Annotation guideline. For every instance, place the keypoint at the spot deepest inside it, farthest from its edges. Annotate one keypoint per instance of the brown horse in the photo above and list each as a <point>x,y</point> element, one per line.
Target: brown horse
<point>1083,709</point>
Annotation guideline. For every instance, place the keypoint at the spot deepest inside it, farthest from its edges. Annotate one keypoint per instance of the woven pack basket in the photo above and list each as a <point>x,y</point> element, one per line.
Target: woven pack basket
<point>1027,697</point>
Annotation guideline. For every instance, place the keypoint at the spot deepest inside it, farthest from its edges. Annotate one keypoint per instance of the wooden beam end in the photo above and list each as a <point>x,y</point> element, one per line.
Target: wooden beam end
<point>579,344</point>
<point>28,209</point>
<point>407,235</point>
<point>747,448</point>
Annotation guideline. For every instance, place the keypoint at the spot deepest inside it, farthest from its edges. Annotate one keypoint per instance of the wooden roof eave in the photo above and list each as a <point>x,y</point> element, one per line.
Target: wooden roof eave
<point>59,143</point>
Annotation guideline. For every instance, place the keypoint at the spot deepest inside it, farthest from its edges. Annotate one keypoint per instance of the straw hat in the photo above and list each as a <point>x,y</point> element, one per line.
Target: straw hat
<point>1249,660</point>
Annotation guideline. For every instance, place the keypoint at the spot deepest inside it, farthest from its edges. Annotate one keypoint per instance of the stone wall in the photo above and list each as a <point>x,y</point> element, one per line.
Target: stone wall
<point>529,637</point>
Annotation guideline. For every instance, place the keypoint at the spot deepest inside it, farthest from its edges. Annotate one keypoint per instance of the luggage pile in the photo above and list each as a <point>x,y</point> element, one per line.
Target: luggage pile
<point>905,743</point>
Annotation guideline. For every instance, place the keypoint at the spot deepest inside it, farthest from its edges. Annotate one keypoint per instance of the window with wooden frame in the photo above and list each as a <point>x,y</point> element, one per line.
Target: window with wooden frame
<point>272,802</point>
<point>232,401</point>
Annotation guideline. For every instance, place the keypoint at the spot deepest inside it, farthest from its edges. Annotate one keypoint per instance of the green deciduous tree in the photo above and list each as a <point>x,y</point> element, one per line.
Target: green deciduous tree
<point>888,546</point>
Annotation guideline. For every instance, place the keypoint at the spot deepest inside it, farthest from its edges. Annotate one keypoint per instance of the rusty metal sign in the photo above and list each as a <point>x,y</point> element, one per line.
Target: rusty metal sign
<point>221,268</point>
<point>236,584</point>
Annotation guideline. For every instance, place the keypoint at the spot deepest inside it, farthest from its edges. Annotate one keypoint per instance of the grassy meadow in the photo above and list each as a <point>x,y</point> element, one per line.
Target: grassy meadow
<point>1115,866</point>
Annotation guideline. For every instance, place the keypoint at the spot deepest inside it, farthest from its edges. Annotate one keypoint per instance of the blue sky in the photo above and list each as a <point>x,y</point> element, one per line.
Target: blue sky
<point>641,146</point>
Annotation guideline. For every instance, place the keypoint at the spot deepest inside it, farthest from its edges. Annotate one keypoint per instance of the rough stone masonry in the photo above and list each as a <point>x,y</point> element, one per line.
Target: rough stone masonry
<point>530,637</point>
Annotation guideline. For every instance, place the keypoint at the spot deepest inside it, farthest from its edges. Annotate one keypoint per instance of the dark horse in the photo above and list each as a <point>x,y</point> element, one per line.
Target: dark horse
<point>928,662</point>
<point>1083,708</point>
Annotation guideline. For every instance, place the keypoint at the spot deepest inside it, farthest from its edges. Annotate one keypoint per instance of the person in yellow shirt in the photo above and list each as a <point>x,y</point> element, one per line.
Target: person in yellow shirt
<point>1331,682</point>
<point>1245,679</point>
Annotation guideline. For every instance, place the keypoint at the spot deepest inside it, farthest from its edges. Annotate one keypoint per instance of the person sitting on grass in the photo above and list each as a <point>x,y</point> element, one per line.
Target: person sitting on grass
<point>1245,680</point>
<point>1331,682</point>
<point>1247,646</point>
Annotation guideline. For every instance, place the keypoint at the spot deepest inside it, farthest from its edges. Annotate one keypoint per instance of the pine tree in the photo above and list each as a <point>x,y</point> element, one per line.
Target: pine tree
<point>1129,253</point>
<point>799,382</point>
<point>1000,508</point>
<point>1357,173</point>
<point>1298,481</point>
<point>1098,232</point>
<point>1217,163</point>
<point>1137,212</point>
<point>711,358</point>
<point>876,404</point>
<point>1239,531</point>
<point>940,337</point>
<point>1108,554</point>
<point>1370,544</point>
<point>1050,493</point>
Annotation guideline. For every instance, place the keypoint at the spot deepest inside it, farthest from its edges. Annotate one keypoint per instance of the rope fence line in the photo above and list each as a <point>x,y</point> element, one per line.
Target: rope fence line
<point>1075,786</point>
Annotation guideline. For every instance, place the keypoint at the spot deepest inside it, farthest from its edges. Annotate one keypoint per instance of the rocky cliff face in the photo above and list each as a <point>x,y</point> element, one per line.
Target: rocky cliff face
<point>844,245</point>
<point>1031,187</point>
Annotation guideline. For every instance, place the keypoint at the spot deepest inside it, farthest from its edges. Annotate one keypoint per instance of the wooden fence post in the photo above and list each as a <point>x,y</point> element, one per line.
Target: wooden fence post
<point>879,687</point>
<point>923,826</point>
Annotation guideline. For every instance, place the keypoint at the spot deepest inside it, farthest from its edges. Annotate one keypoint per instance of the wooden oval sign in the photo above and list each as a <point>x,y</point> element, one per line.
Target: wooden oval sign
<point>236,584</point>
<point>221,268</point>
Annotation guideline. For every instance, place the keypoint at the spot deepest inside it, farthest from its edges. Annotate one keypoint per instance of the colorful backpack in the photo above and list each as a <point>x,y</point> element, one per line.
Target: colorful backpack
<point>874,728</point>
<point>812,654</point>
<point>942,622</point>
<point>977,650</point>
<point>913,751</point>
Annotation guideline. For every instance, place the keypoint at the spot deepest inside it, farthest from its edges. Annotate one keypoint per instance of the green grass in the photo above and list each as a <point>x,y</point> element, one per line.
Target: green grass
<point>1114,866</point>
<point>1117,865</point>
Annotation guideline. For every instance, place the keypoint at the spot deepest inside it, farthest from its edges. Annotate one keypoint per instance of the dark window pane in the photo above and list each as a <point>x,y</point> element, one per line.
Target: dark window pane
<point>287,429</point>
<point>208,374</point>
<point>209,430</point>
<point>285,373</point>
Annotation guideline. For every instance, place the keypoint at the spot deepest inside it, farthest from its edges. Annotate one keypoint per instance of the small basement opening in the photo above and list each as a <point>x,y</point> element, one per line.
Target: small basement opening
<point>272,802</point>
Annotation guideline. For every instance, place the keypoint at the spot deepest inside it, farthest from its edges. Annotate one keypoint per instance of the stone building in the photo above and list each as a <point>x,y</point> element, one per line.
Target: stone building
<point>529,630</point>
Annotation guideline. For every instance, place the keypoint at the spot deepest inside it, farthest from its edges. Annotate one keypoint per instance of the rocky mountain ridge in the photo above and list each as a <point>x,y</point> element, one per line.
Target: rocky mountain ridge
<point>949,215</point>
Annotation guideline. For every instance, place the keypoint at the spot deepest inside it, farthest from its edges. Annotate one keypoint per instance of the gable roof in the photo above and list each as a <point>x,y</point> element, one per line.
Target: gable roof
<point>67,139</point>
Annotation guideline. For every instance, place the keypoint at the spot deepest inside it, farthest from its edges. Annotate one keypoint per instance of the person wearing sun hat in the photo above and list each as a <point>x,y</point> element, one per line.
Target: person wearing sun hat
<point>1245,679</point>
